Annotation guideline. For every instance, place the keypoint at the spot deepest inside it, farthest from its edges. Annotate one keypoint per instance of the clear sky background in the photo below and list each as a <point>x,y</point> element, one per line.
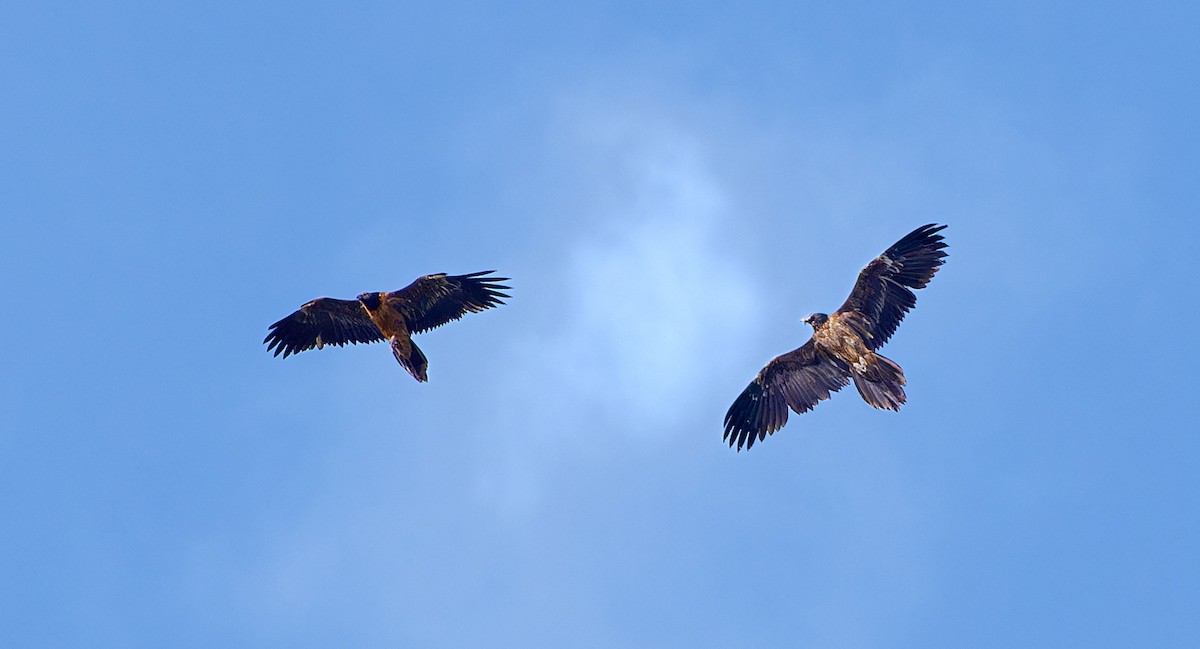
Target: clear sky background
<point>671,188</point>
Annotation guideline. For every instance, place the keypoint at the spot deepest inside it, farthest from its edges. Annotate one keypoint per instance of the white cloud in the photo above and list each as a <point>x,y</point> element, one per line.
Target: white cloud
<point>654,296</point>
<point>650,306</point>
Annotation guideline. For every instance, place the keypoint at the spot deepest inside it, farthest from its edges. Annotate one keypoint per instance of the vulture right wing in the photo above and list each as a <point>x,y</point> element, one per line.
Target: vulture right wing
<point>799,379</point>
<point>324,321</point>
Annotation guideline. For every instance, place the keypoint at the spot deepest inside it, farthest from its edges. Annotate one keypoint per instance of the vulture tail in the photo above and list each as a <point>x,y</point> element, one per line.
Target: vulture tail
<point>882,384</point>
<point>415,361</point>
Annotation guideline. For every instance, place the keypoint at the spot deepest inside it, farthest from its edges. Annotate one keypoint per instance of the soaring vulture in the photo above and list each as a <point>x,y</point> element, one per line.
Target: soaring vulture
<point>430,301</point>
<point>843,344</point>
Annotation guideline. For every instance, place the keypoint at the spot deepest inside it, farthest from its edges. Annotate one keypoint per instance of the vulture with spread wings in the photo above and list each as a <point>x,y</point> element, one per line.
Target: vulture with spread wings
<point>843,344</point>
<point>431,301</point>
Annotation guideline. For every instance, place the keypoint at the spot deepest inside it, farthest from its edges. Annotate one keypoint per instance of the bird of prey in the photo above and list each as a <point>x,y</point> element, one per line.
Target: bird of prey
<point>843,344</point>
<point>430,301</point>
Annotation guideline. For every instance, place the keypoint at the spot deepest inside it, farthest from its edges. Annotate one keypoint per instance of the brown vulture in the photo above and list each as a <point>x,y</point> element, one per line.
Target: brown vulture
<point>843,344</point>
<point>430,301</point>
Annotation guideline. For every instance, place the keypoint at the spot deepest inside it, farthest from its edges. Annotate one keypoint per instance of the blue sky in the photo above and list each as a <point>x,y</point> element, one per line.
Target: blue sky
<point>672,187</point>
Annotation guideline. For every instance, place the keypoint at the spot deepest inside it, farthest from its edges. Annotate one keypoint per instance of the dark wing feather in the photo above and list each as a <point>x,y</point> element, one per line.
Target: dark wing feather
<point>324,321</point>
<point>798,379</point>
<point>883,292</point>
<point>434,300</point>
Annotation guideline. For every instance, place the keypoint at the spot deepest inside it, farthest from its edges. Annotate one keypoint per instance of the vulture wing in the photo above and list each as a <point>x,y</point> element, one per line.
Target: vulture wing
<point>324,321</point>
<point>433,300</point>
<point>883,292</point>
<point>799,379</point>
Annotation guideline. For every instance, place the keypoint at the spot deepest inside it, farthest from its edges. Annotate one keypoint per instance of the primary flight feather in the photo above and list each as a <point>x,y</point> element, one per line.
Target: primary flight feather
<point>429,302</point>
<point>842,347</point>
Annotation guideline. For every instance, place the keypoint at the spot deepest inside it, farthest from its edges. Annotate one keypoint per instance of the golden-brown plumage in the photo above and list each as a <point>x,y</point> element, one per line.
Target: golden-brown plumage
<point>843,345</point>
<point>839,338</point>
<point>429,302</point>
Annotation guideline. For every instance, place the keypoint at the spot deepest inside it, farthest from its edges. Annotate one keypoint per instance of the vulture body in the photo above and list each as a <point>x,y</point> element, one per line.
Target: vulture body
<point>429,302</point>
<point>844,344</point>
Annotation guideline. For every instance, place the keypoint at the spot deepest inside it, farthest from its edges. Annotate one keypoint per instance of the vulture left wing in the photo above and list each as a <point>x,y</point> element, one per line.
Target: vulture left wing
<point>433,300</point>
<point>883,293</point>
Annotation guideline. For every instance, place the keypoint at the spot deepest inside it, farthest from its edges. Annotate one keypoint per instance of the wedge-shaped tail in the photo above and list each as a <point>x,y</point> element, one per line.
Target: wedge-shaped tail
<point>411,359</point>
<point>882,384</point>
<point>428,302</point>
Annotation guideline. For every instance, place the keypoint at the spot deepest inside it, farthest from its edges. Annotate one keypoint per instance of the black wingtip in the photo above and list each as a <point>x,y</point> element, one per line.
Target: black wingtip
<point>925,237</point>
<point>488,283</point>
<point>743,418</point>
<point>926,232</point>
